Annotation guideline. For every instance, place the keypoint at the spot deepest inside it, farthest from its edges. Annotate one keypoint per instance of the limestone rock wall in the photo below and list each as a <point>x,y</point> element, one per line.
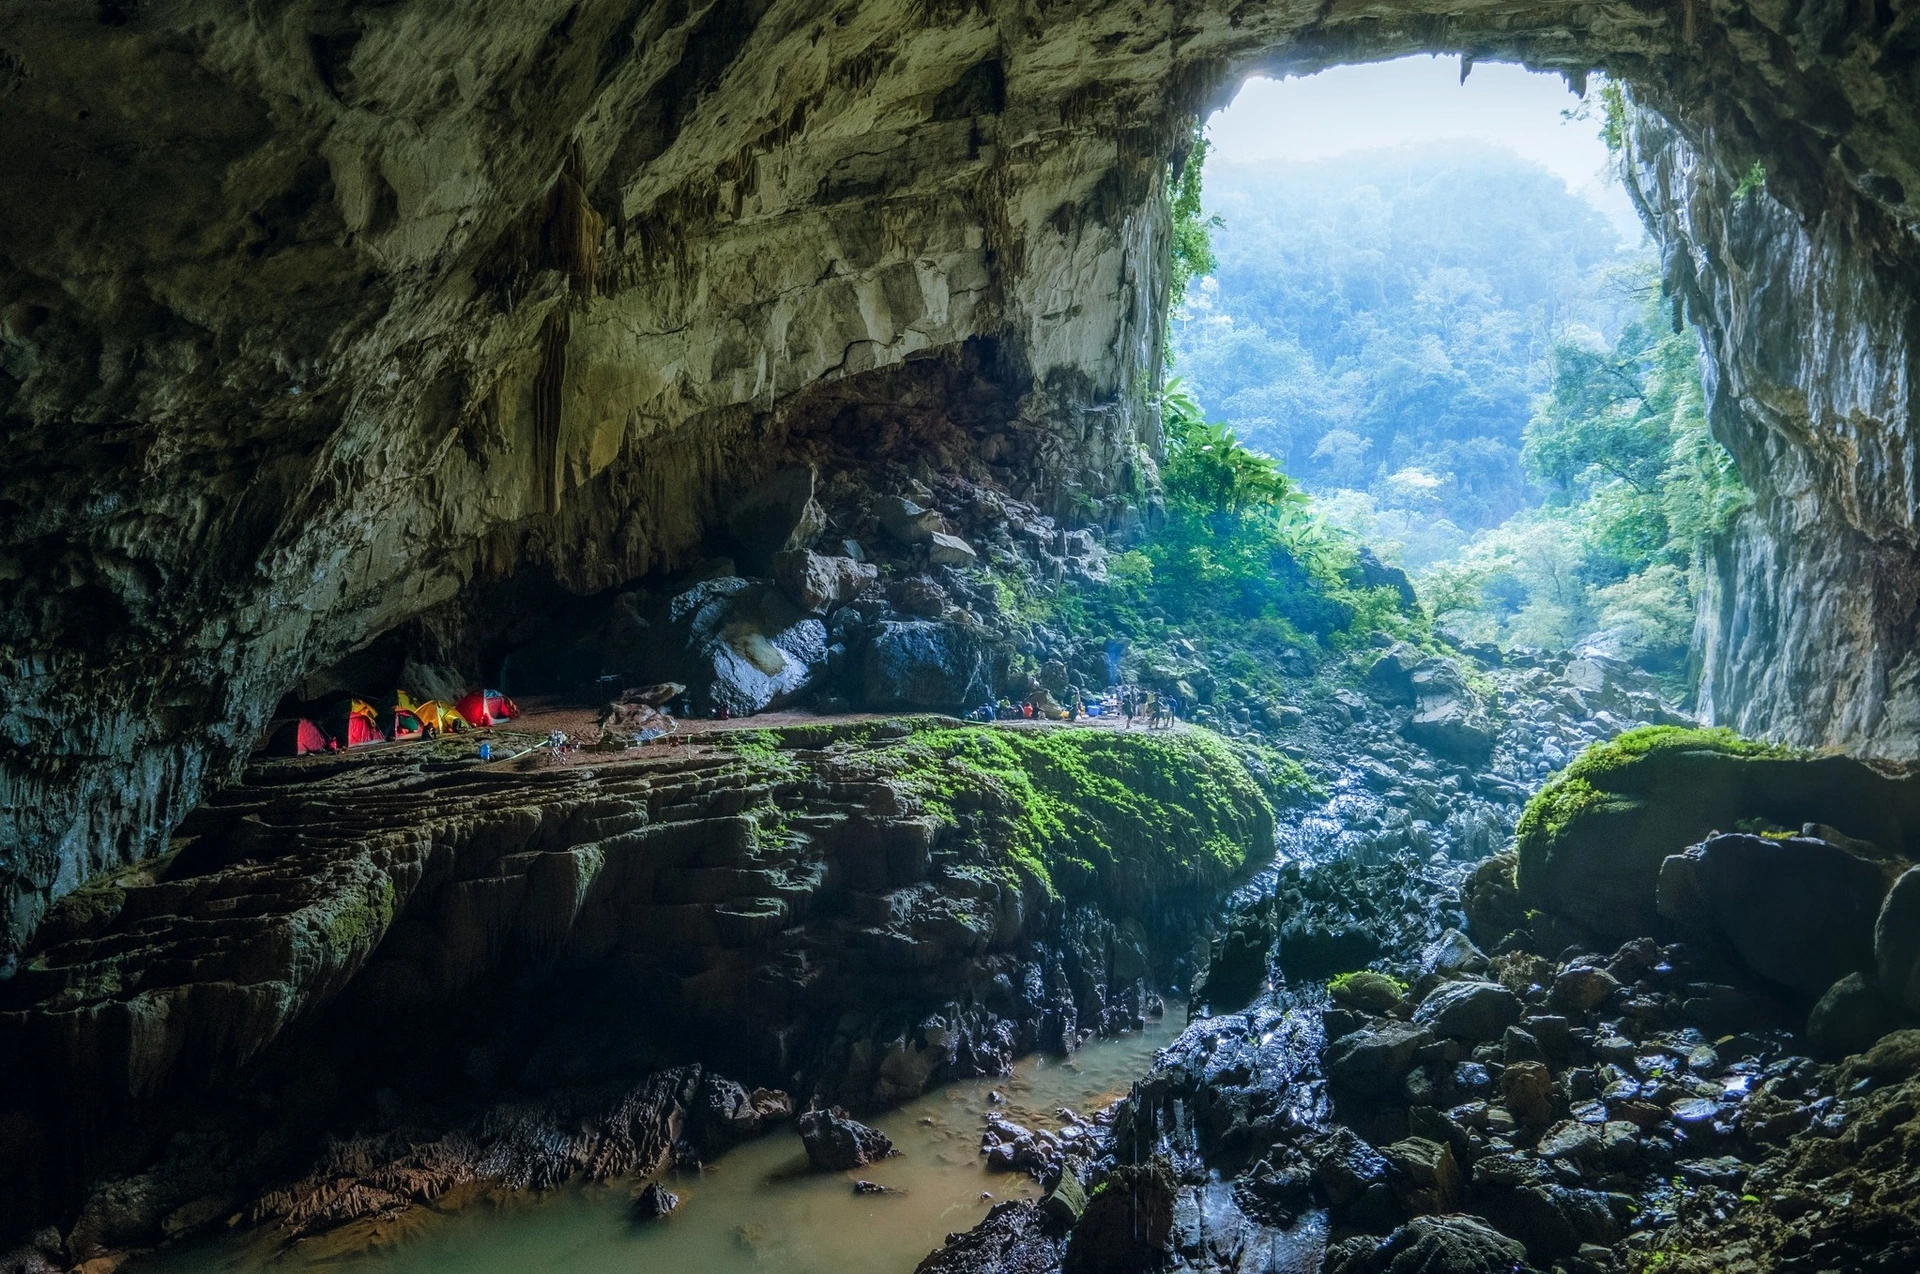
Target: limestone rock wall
<point>316,315</point>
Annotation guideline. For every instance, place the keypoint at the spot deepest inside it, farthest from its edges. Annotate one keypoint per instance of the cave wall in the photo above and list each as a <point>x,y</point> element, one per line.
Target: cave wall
<point>314,314</point>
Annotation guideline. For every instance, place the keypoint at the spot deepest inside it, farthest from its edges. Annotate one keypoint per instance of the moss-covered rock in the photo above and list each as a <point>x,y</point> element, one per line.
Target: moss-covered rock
<point>1590,844</point>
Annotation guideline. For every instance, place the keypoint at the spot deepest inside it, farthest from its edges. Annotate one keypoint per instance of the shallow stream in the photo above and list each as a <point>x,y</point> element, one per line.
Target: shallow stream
<point>757,1209</point>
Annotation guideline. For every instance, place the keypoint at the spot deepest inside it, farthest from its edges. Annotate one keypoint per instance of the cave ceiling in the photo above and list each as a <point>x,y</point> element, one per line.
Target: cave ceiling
<point>312,315</point>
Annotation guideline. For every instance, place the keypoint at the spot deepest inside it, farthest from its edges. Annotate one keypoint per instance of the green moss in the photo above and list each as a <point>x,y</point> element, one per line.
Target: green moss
<point>1586,786</point>
<point>1076,810</point>
<point>1366,989</point>
<point>359,919</point>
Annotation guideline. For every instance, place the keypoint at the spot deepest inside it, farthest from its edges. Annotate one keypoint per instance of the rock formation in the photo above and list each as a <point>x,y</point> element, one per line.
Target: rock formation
<point>854,911</point>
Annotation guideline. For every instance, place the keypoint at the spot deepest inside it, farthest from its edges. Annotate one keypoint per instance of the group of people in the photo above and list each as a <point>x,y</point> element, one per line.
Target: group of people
<point>1126,702</point>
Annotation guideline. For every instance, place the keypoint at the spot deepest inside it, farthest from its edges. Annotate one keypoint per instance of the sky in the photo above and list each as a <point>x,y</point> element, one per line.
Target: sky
<point>1421,99</point>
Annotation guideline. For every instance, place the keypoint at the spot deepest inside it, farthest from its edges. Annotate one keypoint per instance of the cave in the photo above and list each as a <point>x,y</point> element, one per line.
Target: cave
<point>342,341</point>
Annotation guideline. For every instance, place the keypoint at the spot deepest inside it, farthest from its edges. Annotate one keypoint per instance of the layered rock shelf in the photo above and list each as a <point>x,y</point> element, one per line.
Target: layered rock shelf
<point>850,912</point>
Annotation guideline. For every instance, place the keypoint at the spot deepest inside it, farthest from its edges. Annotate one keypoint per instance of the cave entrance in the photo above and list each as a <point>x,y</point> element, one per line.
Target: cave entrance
<point>1430,300</point>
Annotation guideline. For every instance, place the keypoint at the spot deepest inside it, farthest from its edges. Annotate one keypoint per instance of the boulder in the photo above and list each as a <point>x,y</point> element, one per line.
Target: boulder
<point>1526,1088</point>
<point>1448,718</point>
<point>1067,1201</point>
<point>777,516</point>
<point>1371,1061</point>
<point>1592,842</point>
<point>1896,942</point>
<point>1475,1011</point>
<point>1128,1223</point>
<point>1491,900</point>
<point>924,664</point>
<point>737,644</point>
<point>1348,1167</point>
<point>1373,992</point>
<point>1426,1175</point>
<point>816,582</point>
<point>1800,911</point>
<point>1432,1245</point>
<point>1581,988</point>
<point>950,550</point>
<point>726,1113</point>
<point>1390,677</point>
<point>1370,572</point>
<point>907,522</point>
<point>1850,1018</point>
<point>835,1142</point>
<point>654,1202</point>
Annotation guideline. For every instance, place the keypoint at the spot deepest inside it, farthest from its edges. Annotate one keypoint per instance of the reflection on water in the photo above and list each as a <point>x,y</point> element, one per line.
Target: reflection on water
<point>758,1209</point>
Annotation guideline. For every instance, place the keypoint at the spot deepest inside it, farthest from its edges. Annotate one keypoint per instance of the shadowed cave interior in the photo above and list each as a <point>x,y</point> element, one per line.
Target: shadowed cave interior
<point>812,361</point>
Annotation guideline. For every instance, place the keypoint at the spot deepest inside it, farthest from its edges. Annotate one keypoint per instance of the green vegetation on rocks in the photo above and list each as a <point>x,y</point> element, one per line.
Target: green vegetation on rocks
<point>1093,810</point>
<point>1591,842</point>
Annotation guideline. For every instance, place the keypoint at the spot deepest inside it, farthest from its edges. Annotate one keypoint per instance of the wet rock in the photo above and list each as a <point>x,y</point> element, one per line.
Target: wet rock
<point>1432,1245</point>
<point>1896,942</point>
<point>1472,1011</point>
<point>1849,1018</point>
<point>1521,1198</point>
<point>779,515</point>
<point>728,1114</point>
<point>835,1142</point>
<point>653,1203</point>
<point>1491,900</point>
<point>1015,1238</point>
<point>923,664</point>
<point>1373,1060</point>
<point>1452,954</point>
<point>1347,1168</point>
<point>1128,1222</point>
<point>818,583</point>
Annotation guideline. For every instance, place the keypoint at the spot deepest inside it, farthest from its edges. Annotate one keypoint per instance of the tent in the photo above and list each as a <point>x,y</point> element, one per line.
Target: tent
<point>439,716</point>
<point>406,725</point>
<point>362,724</point>
<point>298,738</point>
<point>485,707</point>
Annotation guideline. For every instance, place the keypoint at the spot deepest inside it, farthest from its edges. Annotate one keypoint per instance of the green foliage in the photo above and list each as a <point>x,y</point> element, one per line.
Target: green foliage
<point>1192,238</point>
<point>1638,492</point>
<point>1755,179</point>
<point>1379,322</point>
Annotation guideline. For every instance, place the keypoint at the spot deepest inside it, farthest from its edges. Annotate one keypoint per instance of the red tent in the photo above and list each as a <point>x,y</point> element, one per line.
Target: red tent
<point>298,738</point>
<point>485,707</point>
<point>363,724</point>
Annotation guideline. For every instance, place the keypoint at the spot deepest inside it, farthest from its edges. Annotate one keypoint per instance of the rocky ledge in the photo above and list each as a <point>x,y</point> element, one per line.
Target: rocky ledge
<point>411,939</point>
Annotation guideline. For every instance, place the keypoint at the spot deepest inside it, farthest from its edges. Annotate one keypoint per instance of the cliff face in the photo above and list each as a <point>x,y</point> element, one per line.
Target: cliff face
<point>316,316</point>
<point>1807,631</point>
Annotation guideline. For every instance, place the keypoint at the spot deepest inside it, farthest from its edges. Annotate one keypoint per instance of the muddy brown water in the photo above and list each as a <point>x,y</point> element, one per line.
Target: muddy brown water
<point>757,1209</point>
